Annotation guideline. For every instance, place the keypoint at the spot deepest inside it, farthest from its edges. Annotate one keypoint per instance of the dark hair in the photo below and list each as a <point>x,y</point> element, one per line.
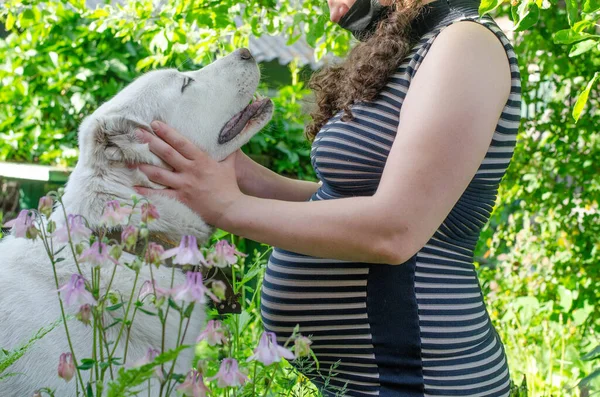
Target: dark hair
<point>367,67</point>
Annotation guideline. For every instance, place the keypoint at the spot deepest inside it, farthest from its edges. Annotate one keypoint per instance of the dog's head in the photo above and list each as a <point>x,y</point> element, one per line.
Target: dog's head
<point>215,107</point>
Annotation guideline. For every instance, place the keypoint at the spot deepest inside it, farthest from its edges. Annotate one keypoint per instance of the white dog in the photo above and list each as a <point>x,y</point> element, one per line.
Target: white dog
<point>214,107</point>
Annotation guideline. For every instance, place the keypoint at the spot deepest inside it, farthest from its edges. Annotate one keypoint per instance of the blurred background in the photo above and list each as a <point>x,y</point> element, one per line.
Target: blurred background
<point>539,256</point>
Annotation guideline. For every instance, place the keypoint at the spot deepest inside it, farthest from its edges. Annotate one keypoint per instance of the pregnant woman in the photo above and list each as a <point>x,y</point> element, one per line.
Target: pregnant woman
<point>411,137</point>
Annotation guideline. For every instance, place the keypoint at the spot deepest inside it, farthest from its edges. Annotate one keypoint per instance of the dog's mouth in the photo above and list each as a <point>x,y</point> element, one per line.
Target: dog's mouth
<point>254,112</point>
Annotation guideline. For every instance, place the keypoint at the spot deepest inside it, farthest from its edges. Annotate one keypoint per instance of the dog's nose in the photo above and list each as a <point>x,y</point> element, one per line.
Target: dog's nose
<point>245,54</point>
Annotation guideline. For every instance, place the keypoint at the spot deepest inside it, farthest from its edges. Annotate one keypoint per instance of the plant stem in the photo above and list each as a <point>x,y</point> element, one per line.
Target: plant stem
<point>271,380</point>
<point>137,275</point>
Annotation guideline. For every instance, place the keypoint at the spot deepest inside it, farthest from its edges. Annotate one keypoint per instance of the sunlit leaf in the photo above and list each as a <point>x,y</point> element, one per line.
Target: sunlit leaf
<point>583,97</point>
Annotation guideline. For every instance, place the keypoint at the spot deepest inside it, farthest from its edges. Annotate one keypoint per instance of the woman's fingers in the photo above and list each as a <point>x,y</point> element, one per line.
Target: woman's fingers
<point>160,175</point>
<point>177,141</point>
<point>163,150</point>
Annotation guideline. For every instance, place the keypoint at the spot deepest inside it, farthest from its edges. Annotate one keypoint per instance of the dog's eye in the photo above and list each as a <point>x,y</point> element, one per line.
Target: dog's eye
<point>186,81</point>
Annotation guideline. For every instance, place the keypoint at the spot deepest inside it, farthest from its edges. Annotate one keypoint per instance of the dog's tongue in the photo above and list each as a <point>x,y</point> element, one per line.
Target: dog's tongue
<point>237,123</point>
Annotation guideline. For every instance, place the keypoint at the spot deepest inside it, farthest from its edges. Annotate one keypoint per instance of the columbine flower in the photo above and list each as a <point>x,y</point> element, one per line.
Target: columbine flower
<point>24,227</point>
<point>194,385</point>
<point>154,254</point>
<point>45,205</point>
<point>151,354</point>
<point>193,290</point>
<point>214,333</point>
<point>186,253</point>
<point>78,231</point>
<point>149,213</point>
<point>98,255</point>
<point>114,214</point>
<point>150,287</point>
<point>302,346</point>
<point>224,254</point>
<point>84,314</point>
<point>219,288</point>
<point>66,367</point>
<point>229,374</point>
<point>37,393</point>
<point>268,351</point>
<point>74,292</point>
<point>129,236</point>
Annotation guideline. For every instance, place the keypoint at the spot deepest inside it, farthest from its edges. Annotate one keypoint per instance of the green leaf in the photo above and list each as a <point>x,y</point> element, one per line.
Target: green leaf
<point>86,363</point>
<point>594,354</point>
<point>572,11</point>
<point>568,36</point>
<point>566,298</point>
<point>148,312</point>
<point>115,307</point>
<point>129,378</point>
<point>582,47</point>
<point>528,15</point>
<point>591,6</point>
<point>487,6</point>
<point>10,21</point>
<point>583,98</point>
<point>173,304</point>
<point>77,102</point>
<point>159,42</point>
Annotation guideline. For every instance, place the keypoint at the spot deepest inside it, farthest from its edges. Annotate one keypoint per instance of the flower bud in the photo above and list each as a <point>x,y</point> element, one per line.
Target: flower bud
<point>45,205</point>
<point>113,297</point>
<point>84,314</point>
<point>51,227</point>
<point>60,191</point>
<point>302,346</point>
<point>136,265</point>
<point>149,213</point>
<point>202,366</point>
<point>37,393</point>
<point>129,236</point>
<point>79,248</point>
<point>66,367</point>
<point>116,251</point>
<point>154,253</point>
<point>219,288</point>
<point>144,232</point>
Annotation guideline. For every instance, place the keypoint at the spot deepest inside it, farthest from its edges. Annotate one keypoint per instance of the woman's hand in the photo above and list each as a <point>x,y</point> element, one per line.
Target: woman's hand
<point>206,186</point>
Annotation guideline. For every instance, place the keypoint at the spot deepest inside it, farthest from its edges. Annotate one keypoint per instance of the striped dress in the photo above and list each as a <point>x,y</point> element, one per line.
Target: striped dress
<point>420,328</point>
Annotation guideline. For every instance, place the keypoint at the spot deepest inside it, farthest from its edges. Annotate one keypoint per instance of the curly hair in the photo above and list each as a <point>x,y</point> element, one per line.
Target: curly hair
<point>365,71</point>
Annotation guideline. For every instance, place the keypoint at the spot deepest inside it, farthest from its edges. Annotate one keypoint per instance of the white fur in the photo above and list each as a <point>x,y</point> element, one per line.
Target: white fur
<point>28,299</point>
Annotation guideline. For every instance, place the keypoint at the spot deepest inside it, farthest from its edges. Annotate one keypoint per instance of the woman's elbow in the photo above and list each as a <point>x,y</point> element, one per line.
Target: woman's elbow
<point>392,250</point>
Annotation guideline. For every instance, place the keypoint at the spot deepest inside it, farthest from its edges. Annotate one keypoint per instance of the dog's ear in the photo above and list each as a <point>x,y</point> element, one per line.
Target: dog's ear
<point>114,137</point>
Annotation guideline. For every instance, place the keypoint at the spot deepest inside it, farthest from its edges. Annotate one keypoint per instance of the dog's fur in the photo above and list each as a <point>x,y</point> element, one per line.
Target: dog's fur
<point>107,143</point>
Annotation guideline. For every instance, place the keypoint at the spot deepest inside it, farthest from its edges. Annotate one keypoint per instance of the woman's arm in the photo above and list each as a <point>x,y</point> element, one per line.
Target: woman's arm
<point>446,124</point>
<point>258,181</point>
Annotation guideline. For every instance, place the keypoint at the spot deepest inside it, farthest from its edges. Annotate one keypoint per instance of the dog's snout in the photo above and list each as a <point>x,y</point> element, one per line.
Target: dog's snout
<point>245,54</point>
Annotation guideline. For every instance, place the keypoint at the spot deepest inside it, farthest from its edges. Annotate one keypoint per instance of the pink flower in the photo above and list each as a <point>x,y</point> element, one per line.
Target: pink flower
<point>224,254</point>
<point>154,254</point>
<point>187,253</point>
<point>98,255</point>
<point>151,354</point>
<point>24,227</point>
<point>149,213</point>
<point>78,231</point>
<point>114,214</point>
<point>37,393</point>
<point>150,288</point>
<point>268,351</point>
<point>129,236</point>
<point>45,205</point>
<point>74,292</point>
<point>193,290</point>
<point>229,374</point>
<point>84,314</point>
<point>214,333</point>
<point>302,346</point>
<point>194,385</point>
<point>66,367</point>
